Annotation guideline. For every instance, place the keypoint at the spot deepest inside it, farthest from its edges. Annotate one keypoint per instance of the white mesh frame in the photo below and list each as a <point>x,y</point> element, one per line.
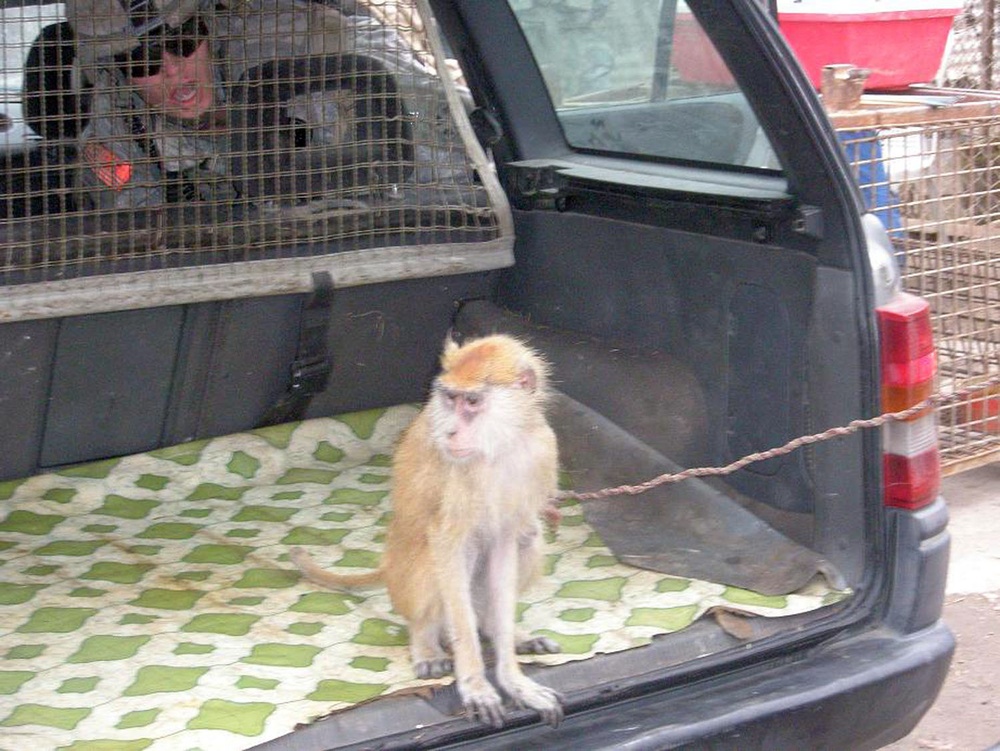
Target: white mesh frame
<point>360,263</point>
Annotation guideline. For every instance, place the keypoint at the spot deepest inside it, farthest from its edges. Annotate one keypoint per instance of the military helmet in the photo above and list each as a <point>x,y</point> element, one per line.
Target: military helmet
<point>105,28</point>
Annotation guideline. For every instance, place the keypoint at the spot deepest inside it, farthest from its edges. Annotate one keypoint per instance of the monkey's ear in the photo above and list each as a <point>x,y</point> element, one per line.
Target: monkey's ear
<point>450,343</point>
<point>527,379</point>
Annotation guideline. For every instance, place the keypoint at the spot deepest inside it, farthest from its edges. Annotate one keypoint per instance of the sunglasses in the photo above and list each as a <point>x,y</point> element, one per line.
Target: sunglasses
<point>145,60</point>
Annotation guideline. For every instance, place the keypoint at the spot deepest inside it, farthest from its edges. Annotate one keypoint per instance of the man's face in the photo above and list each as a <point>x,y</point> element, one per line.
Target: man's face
<point>184,86</point>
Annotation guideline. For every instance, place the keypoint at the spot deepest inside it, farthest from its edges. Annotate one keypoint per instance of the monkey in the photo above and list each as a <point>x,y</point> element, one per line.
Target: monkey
<point>472,478</point>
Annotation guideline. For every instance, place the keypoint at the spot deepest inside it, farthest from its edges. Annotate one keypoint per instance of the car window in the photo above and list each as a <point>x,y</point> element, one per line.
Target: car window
<point>641,77</point>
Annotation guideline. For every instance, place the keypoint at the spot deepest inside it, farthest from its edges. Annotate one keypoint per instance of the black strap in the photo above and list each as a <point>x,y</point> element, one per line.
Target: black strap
<point>310,371</point>
<point>177,187</point>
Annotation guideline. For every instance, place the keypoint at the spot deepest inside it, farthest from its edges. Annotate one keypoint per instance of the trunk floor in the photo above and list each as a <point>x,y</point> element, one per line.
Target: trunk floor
<point>148,602</point>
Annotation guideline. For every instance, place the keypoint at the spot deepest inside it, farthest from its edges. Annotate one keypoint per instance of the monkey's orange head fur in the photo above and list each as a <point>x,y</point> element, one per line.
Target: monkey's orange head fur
<point>498,360</point>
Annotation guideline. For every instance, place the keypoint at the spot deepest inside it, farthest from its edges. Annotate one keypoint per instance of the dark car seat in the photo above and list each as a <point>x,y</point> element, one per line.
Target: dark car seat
<point>273,154</point>
<point>53,106</point>
<point>39,180</point>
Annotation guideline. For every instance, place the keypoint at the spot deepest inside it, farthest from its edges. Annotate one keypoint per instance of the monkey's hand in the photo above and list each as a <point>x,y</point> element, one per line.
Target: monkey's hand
<point>481,700</point>
<point>526,693</point>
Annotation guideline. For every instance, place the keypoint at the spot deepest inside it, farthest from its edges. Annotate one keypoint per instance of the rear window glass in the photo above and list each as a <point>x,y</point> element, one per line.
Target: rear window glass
<point>641,77</point>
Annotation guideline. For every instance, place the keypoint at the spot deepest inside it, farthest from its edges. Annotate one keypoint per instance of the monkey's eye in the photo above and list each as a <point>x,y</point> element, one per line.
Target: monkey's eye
<point>473,399</point>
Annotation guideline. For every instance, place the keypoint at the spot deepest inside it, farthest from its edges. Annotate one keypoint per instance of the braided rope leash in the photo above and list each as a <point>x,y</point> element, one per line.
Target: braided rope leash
<point>932,402</point>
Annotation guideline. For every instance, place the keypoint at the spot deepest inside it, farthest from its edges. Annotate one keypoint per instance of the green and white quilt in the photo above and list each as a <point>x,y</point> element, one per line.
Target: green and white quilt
<point>148,602</point>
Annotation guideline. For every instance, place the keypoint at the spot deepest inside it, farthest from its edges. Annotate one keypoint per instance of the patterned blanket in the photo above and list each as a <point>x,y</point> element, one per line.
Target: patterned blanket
<point>148,602</point>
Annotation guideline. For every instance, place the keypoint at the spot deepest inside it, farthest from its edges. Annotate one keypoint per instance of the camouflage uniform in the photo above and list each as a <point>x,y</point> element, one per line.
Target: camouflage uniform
<point>134,157</point>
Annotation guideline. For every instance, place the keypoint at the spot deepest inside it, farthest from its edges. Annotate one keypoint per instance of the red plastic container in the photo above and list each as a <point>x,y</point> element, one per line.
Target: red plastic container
<point>694,56</point>
<point>900,42</point>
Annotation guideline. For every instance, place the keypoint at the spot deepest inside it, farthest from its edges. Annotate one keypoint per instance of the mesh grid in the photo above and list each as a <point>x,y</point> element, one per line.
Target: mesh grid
<point>935,183</point>
<point>966,60</point>
<point>309,135</point>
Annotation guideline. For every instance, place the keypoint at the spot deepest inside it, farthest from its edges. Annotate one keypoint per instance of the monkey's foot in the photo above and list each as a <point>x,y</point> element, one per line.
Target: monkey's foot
<point>538,645</point>
<point>526,693</point>
<point>435,668</point>
<point>481,700</point>
<point>430,660</point>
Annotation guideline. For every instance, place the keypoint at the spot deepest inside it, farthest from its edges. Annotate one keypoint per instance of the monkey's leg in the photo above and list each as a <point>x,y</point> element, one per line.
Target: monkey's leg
<point>502,579</point>
<point>454,576</point>
<point>529,563</point>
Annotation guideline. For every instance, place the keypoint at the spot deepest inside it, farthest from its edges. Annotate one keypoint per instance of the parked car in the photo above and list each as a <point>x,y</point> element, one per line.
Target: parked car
<point>646,191</point>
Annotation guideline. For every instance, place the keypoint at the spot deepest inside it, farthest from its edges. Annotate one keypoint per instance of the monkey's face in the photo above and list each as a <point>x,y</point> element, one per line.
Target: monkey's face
<point>470,425</point>
<point>456,422</point>
<point>487,395</point>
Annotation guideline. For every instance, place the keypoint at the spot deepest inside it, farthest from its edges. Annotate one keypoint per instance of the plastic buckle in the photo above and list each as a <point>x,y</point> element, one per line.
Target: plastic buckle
<point>310,375</point>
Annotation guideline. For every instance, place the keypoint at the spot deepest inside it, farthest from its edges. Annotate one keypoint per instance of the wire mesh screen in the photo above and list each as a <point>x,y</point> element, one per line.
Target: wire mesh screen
<point>968,57</point>
<point>935,183</point>
<point>185,134</point>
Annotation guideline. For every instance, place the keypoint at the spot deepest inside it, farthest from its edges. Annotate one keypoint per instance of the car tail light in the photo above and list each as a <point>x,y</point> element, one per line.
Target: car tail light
<point>911,464</point>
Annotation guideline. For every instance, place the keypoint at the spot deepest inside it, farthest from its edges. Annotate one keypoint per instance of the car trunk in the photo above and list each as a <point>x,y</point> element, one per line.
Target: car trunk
<point>161,459</point>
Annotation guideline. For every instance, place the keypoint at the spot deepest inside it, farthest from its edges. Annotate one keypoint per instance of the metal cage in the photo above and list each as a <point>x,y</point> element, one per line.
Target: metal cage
<point>314,138</point>
<point>928,164</point>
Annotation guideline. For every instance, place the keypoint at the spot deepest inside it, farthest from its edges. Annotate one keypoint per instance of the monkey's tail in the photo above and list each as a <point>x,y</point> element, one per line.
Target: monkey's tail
<point>319,575</point>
